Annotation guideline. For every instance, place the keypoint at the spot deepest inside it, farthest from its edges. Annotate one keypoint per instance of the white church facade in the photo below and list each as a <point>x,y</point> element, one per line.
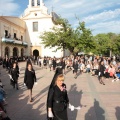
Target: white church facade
<point>21,36</point>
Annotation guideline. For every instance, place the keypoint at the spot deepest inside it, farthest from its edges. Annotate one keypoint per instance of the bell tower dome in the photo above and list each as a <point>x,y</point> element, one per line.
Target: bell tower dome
<point>36,8</point>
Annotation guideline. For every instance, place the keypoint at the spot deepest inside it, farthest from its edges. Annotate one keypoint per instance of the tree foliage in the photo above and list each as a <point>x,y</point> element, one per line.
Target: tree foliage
<point>63,36</point>
<point>109,42</point>
<point>78,39</point>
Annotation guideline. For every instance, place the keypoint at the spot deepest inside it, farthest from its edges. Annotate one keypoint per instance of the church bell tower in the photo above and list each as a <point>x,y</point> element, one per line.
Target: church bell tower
<point>36,7</point>
<point>35,3</point>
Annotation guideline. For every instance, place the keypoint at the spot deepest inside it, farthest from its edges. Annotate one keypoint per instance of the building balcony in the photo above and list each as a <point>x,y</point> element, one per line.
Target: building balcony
<point>13,41</point>
<point>9,40</point>
<point>18,42</point>
<point>25,43</point>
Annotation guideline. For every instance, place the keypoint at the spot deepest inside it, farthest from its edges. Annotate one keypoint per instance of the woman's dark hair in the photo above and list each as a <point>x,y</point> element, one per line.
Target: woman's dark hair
<point>28,63</point>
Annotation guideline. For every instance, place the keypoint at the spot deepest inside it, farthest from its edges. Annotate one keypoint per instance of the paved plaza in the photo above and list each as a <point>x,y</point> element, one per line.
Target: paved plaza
<point>97,102</point>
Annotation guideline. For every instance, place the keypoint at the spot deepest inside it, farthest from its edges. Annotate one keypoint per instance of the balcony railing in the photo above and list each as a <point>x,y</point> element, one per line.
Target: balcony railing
<point>9,40</point>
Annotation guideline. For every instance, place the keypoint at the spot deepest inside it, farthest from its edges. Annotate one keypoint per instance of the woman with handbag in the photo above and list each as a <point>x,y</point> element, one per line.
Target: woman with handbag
<point>57,100</point>
<point>30,79</point>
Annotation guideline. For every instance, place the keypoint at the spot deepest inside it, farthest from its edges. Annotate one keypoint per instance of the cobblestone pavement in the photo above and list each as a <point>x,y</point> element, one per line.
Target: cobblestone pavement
<point>98,102</point>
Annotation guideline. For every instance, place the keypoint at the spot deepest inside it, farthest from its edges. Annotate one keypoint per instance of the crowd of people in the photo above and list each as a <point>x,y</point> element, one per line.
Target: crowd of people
<point>102,67</point>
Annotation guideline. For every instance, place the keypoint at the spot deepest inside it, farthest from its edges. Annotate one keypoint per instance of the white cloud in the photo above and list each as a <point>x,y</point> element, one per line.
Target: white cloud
<point>80,7</point>
<point>90,7</point>
<point>105,27</point>
<point>103,16</point>
<point>8,7</point>
<point>72,4</point>
<point>99,15</point>
<point>56,1</point>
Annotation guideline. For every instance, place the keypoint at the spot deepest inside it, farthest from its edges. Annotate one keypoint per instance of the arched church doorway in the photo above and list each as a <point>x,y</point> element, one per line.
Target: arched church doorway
<point>22,52</point>
<point>36,53</point>
<point>15,51</point>
<point>7,51</point>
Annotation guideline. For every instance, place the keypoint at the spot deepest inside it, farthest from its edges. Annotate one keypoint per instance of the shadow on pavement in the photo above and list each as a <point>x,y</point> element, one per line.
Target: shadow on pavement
<point>75,100</point>
<point>66,72</point>
<point>117,113</point>
<point>95,112</point>
<point>42,92</point>
<point>78,74</point>
<point>19,107</point>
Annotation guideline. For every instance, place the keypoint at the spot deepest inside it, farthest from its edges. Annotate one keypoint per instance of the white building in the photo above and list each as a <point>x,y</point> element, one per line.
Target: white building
<point>21,36</point>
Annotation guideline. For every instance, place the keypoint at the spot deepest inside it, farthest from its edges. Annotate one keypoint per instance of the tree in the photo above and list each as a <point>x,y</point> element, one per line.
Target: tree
<point>85,38</point>
<point>101,43</point>
<point>58,35</point>
<point>109,42</point>
<point>65,37</point>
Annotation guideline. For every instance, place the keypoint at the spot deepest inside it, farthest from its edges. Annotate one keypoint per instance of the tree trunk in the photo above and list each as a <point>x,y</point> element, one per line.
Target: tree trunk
<point>110,53</point>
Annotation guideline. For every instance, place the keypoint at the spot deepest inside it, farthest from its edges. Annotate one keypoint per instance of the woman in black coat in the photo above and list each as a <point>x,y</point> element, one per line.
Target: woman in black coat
<point>54,63</point>
<point>57,100</point>
<point>45,62</point>
<point>101,72</point>
<point>15,74</point>
<point>75,68</point>
<point>29,79</point>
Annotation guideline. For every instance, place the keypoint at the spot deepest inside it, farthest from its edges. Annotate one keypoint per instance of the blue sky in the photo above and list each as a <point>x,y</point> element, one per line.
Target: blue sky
<point>101,16</point>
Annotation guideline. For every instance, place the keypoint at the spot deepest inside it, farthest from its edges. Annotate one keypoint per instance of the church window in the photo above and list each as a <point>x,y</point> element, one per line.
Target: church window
<point>15,36</point>
<point>35,26</point>
<point>33,3</point>
<point>6,33</point>
<point>38,2</point>
<point>21,38</point>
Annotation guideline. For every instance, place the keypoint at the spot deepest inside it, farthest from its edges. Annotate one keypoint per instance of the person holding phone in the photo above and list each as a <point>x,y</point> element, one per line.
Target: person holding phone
<point>57,100</point>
